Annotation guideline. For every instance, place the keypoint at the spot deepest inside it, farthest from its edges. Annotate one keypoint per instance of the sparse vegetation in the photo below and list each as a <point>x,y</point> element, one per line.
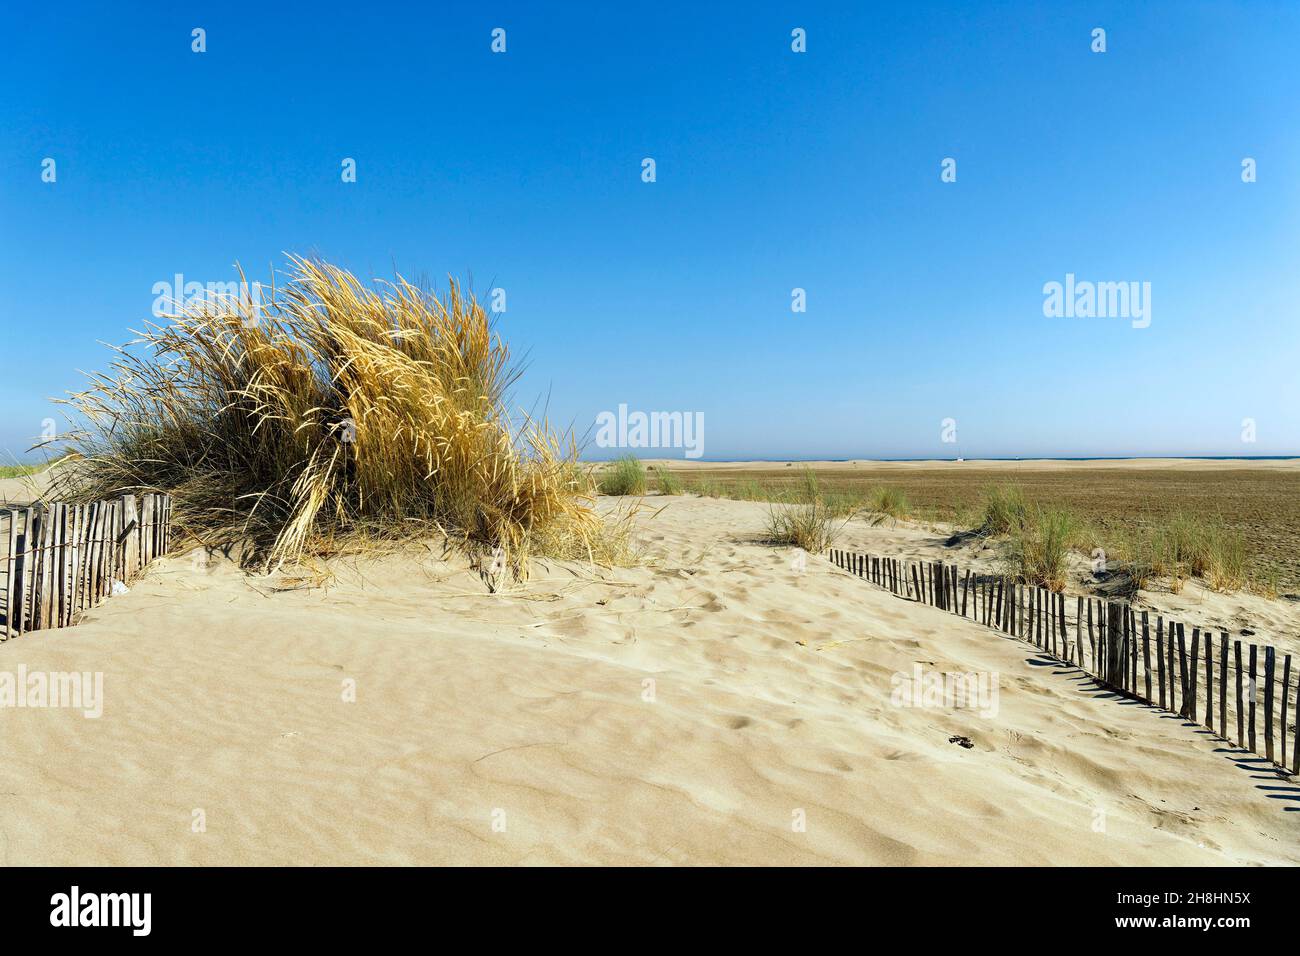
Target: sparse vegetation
<point>1039,540</point>
<point>1190,546</point>
<point>1132,546</point>
<point>1257,505</point>
<point>27,470</point>
<point>1004,510</point>
<point>667,482</point>
<point>343,412</point>
<point>705,488</point>
<point>20,471</point>
<point>1039,546</point>
<point>888,502</point>
<point>810,522</point>
<point>1177,548</point>
<point>623,476</point>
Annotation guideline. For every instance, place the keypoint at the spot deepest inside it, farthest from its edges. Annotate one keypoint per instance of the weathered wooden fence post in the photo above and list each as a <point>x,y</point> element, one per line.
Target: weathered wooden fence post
<point>1223,684</point>
<point>131,535</point>
<point>13,592</point>
<point>1114,643</point>
<point>1286,690</point>
<point>1254,652</point>
<point>1146,656</point>
<point>1269,661</point>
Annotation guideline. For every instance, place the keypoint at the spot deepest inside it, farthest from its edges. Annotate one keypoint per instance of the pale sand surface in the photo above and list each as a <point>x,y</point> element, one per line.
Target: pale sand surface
<point>24,490</point>
<point>771,695</point>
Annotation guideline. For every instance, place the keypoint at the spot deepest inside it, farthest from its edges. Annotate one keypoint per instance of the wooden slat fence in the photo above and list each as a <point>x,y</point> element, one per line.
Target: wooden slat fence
<point>63,558</point>
<point>1199,677</point>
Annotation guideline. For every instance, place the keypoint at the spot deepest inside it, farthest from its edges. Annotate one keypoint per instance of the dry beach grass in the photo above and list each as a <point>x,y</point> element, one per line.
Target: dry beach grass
<point>341,415</point>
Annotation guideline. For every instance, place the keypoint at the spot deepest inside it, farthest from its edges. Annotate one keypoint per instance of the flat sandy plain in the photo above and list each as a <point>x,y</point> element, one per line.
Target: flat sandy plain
<point>1260,498</point>
<point>717,704</point>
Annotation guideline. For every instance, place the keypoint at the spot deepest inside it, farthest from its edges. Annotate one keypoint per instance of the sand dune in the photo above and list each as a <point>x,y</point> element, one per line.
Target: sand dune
<point>771,697</point>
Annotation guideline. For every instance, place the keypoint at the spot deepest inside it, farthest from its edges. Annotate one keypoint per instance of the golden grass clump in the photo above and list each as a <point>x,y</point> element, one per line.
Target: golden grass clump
<point>339,411</point>
<point>1193,546</point>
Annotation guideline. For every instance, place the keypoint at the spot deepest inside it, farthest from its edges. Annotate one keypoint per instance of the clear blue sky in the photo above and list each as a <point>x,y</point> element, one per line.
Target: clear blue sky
<point>775,170</point>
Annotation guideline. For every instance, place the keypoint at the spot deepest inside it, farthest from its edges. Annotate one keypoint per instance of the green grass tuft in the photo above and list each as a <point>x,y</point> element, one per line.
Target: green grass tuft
<point>885,501</point>
<point>810,522</point>
<point>1004,510</point>
<point>1040,546</point>
<point>624,476</point>
<point>667,482</point>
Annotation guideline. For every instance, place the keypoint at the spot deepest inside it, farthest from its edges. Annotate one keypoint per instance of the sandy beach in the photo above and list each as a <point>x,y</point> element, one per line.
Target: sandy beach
<point>689,466</point>
<point>715,705</point>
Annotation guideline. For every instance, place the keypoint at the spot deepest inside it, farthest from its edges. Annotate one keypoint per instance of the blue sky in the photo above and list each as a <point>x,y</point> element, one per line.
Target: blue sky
<point>775,170</point>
